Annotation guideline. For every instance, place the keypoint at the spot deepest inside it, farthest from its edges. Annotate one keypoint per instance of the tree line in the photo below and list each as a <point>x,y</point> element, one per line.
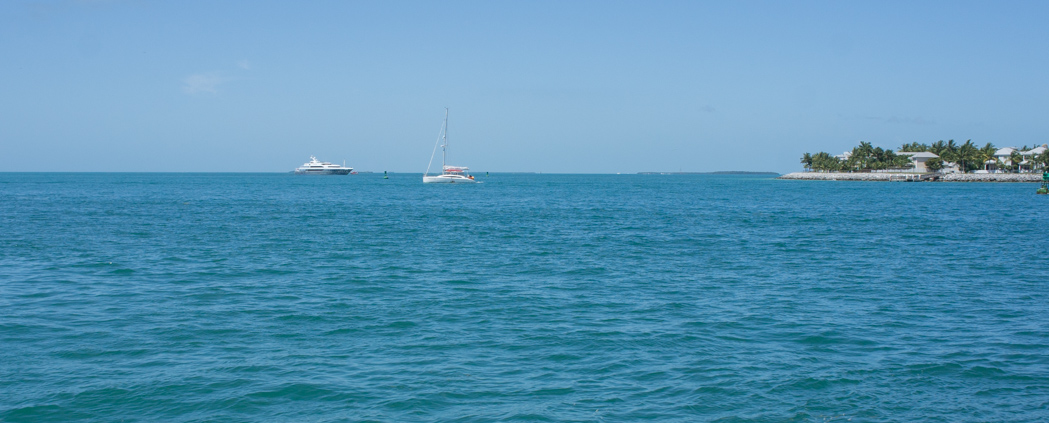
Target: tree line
<point>967,156</point>
<point>864,157</point>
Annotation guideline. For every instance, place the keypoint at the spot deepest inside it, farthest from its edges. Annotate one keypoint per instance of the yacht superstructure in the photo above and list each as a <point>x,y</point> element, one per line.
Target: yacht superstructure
<point>317,167</point>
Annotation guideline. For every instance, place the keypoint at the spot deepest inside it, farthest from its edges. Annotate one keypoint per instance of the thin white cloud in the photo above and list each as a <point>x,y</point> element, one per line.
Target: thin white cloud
<point>244,64</point>
<point>203,83</point>
<point>910,120</point>
<point>903,120</point>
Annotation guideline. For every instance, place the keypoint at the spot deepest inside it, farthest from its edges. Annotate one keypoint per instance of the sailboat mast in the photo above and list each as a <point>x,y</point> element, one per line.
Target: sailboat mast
<point>444,148</point>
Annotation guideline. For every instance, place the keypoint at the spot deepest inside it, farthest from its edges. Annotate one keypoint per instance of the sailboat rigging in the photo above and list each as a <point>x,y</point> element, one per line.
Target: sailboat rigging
<point>449,174</point>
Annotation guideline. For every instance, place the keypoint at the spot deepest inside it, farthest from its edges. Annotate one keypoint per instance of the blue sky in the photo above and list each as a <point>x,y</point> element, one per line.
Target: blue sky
<point>559,86</point>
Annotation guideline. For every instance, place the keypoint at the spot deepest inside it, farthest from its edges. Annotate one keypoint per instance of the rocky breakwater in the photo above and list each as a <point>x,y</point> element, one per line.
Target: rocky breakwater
<point>992,177</point>
<point>948,177</point>
<point>846,176</point>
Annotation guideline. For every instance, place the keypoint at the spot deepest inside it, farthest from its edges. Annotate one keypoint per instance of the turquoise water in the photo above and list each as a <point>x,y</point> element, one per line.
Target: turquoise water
<point>271,297</point>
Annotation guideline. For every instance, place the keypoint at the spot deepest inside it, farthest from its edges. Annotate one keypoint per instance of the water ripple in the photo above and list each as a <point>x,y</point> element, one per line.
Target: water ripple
<point>152,297</point>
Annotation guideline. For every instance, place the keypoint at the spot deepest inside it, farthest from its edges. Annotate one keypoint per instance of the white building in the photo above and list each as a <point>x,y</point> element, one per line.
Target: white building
<point>989,166</point>
<point>918,159</point>
<point>1035,151</point>
<point>1003,154</point>
<point>1030,155</point>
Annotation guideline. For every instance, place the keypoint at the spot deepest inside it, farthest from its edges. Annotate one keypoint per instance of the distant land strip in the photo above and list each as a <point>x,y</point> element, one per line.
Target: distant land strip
<point>722,172</point>
<point>914,177</point>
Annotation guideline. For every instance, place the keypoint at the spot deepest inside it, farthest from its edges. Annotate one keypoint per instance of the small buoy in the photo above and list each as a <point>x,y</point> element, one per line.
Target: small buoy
<point>384,175</point>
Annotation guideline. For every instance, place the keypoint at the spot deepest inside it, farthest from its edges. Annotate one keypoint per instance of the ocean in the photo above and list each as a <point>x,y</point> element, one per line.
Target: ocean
<point>531,297</point>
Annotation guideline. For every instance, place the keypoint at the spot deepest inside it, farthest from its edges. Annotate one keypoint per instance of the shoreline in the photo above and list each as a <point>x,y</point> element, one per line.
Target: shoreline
<point>720,172</point>
<point>899,177</point>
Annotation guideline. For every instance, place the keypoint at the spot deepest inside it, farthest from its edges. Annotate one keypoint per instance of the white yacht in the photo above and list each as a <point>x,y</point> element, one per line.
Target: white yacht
<point>449,174</point>
<point>317,167</point>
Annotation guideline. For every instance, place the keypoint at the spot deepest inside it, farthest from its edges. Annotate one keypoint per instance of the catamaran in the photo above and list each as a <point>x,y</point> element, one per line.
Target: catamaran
<point>449,174</point>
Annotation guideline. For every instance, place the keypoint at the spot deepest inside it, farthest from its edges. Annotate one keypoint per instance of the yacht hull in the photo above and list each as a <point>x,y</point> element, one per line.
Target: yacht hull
<point>324,172</point>
<point>448,179</point>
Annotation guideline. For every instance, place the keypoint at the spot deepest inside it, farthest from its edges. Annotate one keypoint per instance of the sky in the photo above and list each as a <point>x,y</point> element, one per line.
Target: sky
<point>532,86</point>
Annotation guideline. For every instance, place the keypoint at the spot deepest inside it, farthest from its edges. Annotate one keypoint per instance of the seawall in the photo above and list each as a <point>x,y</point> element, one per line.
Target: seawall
<point>948,177</point>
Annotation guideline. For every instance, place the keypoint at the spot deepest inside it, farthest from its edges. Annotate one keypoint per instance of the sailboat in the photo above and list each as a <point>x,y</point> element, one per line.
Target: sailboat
<point>449,174</point>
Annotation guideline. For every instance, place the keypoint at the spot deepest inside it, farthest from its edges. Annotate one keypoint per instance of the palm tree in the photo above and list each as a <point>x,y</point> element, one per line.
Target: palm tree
<point>901,161</point>
<point>950,152</point>
<point>967,154</point>
<point>825,162</point>
<point>806,160</point>
<point>862,155</point>
<point>938,148</point>
<point>1015,159</point>
<point>987,153</point>
<point>881,158</point>
<point>914,147</point>
<point>819,161</point>
<point>1043,160</point>
<point>934,164</point>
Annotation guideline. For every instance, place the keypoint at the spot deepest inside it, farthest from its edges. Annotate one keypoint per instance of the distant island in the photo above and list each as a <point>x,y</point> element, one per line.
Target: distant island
<point>721,172</point>
<point>939,161</point>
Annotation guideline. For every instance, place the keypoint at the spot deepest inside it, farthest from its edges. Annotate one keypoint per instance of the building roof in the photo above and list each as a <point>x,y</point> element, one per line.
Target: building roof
<point>1034,151</point>
<point>923,155</point>
<point>1005,151</point>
